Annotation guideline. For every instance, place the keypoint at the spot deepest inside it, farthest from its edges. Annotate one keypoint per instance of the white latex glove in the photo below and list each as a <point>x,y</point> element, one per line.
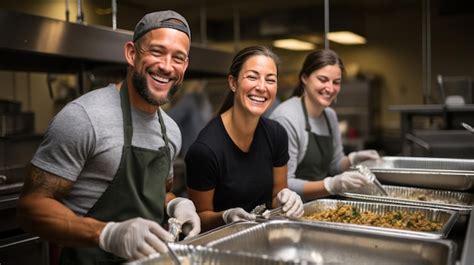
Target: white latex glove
<point>237,214</point>
<point>360,156</point>
<point>183,209</point>
<point>346,181</point>
<point>291,202</point>
<point>134,239</point>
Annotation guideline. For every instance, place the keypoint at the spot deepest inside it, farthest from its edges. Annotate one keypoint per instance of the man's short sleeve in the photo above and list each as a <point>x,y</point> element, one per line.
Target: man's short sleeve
<point>67,143</point>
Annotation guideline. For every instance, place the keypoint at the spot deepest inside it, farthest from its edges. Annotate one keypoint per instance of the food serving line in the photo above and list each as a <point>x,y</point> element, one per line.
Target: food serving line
<point>442,217</point>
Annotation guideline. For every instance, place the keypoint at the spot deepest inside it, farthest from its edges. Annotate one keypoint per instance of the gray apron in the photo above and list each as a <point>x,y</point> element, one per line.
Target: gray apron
<point>319,152</point>
<point>137,190</point>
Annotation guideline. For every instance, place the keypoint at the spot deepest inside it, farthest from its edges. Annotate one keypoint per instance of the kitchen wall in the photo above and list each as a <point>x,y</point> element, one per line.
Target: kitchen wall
<point>392,54</point>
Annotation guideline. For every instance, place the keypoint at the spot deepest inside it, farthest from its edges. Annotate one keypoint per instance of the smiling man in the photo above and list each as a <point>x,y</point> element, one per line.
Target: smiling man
<point>100,181</point>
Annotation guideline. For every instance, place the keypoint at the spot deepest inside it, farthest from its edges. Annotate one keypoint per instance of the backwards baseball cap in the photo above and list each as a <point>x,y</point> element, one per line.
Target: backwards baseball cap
<point>161,19</point>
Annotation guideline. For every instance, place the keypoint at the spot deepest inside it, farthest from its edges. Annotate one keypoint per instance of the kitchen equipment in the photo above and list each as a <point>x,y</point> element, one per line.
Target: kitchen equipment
<point>319,243</point>
<point>9,106</point>
<point>174,228</point>
<point>261,212</point>
<point>468,127</point>
<point>366,171</point>
<point>17,246</point>
<point>172,255</point>
<point>442,199</point>
<point>188,254</point>
<point>445,217</point>
<point>219,232</point>
<point>424,172</point>
<point>16,123</point>
<point>259,209</point>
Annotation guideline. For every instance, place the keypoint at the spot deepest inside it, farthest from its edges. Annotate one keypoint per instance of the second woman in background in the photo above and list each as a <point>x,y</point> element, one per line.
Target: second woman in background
<point>239,159</point>
<point>315,145</point>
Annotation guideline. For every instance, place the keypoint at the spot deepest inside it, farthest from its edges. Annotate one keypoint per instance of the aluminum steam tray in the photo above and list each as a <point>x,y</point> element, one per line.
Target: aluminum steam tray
<point>319,243</point>
<point>197,255</point>
<point>449,200</point>
<point>446,217</point>
<point>217,233</point>
<point>436,173</point>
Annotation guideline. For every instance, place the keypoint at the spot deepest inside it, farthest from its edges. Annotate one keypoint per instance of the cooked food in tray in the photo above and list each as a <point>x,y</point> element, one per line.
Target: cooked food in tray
<point>443,199</point>
<point>345,213</point>
<point>428,197</point>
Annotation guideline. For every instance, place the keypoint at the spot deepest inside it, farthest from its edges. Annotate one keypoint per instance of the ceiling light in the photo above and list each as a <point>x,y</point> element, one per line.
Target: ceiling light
<point>346,37</point>
<point>294,44</point>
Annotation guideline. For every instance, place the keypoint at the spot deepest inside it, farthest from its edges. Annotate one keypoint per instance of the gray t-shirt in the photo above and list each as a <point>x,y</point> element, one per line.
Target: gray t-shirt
<point>291,116</point>
<point>84,144</point>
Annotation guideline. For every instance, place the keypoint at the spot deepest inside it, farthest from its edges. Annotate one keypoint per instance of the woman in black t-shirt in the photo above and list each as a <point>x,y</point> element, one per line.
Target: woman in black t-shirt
<point>239,159</point>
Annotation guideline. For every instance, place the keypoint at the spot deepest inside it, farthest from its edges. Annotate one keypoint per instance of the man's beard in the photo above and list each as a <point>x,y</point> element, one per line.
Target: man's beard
<point>140,84</point>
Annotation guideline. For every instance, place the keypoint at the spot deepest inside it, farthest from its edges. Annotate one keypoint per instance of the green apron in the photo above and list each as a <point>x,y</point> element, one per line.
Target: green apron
<point>137,190</point>
<point>319,152</point>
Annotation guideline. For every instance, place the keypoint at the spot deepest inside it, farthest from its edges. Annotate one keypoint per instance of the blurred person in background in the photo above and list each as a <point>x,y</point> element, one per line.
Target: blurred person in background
<point>191,112</point>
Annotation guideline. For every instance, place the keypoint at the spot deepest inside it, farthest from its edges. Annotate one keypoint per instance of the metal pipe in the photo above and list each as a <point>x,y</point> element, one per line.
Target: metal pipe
<point>114,14</point>
<point>80,14</point>
<point>426,50</point>
<point>28,91</point>
<point>67,10</point>
<point>326,24</point>
<point>49,81</point>
<point>14,86</point>
<point>428,47</point>
<point>418,141</point>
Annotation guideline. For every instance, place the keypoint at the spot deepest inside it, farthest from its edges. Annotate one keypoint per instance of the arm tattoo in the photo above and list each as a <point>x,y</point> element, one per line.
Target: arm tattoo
<point>40,181</point>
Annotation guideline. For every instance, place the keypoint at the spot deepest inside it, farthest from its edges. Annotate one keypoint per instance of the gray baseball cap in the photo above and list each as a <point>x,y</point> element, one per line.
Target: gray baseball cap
<point>161,19</point>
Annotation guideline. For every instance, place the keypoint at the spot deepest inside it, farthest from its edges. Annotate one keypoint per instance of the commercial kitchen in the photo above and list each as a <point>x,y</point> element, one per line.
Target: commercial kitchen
<point>407,93</point>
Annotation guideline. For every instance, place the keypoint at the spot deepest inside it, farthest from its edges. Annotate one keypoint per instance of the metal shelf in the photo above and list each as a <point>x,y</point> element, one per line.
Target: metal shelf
<point>40,44</point>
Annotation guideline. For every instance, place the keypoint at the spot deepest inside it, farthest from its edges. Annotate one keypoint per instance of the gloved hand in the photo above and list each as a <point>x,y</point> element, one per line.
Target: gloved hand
<point>346,181</point>
<point>133,239</point>
<point>237,214</point>
<point>183,209</point>
<point>291,202</point>
<point>360,156</point>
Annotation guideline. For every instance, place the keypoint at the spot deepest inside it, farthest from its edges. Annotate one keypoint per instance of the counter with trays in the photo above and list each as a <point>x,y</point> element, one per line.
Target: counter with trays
<point>316,242</point>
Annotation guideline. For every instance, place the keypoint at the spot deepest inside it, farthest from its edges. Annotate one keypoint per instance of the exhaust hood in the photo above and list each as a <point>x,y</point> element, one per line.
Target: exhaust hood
<point>39,44</point>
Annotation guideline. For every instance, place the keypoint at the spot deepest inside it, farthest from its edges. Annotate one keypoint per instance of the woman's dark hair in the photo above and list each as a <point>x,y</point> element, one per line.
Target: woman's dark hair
<point>315,61</point>
<point>239,59</point>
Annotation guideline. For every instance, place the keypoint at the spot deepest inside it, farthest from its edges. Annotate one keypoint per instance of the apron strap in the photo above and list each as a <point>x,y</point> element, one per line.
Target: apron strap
<point>127,115</point>
<point>127,119</point>
<point>163,127</point>
<point>308,126</point>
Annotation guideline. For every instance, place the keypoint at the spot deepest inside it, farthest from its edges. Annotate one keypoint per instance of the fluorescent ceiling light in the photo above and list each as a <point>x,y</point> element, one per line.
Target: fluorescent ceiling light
<point>346,37</point>
<point>294,44</point>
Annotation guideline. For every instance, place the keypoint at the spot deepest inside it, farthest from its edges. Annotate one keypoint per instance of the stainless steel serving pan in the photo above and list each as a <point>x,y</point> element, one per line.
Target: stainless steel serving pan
<point>446,217</point>
<point>219,232</point>
<point>319,243</point>
<point>197,255</point>
<point>437,173</point>
<point>449,200</point>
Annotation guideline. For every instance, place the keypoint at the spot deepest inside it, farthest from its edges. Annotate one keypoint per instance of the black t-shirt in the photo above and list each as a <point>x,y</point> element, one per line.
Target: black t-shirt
<point>239,179</point>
